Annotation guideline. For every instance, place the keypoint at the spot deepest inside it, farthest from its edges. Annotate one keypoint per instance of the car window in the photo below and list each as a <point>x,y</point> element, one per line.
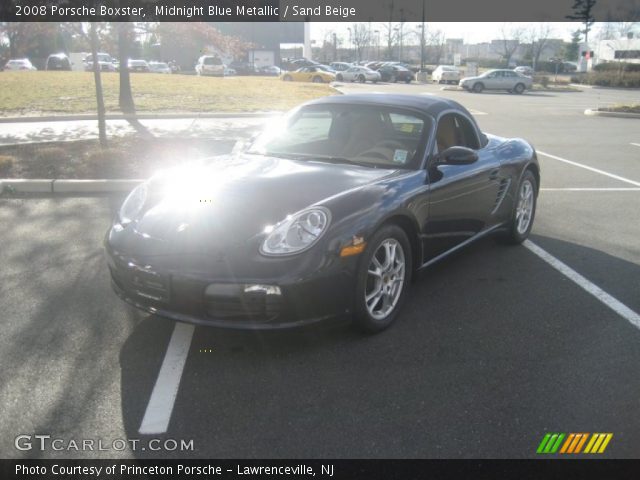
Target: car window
<point>365,134</point>
<point>455,131</point>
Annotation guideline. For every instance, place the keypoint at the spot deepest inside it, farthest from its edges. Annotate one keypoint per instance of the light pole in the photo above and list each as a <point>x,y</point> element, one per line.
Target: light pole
<point>350,41</point>
<point>377,32</point>
<point>396,30</point>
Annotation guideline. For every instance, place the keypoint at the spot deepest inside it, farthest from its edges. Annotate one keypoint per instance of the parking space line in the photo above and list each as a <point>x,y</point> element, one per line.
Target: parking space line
<point>589,189</point>
<point>156,417</point>
<point>586,167</point>
<point>636,144</point>
<point>614,304</point>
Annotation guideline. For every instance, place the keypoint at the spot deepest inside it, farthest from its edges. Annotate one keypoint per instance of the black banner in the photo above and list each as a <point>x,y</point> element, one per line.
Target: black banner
<point>311,10</point>
<point>321,469</point>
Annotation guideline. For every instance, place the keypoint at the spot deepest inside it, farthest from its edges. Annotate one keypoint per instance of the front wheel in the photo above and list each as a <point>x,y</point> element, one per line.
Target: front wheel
<point>339,77</point>
<point>361,79</point>
<point>478,87</point>
<point>519,88</point>
<point>524,210</point>
<point>383,278</point>
<point>317,79</point>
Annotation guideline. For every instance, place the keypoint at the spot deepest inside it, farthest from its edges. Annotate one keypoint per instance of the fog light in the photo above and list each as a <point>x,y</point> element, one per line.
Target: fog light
<point>266,289</point>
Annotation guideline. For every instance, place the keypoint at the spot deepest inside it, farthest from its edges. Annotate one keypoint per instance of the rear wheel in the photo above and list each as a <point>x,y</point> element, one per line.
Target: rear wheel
<point>317,79</point>
<point>383,278</point>
<point>287,78</point>
<point>361,78</point>
<point>524,210</point>
<point>478,87</point>
<point>339,77</point>
<point>519,88</point>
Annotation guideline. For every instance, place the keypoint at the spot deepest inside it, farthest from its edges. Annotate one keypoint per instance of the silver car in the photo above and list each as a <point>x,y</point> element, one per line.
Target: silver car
<point>359,74</point>
<point>508,80</point>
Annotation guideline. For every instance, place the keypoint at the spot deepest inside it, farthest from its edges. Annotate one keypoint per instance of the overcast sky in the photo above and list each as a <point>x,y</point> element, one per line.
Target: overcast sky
<point>471,32</point>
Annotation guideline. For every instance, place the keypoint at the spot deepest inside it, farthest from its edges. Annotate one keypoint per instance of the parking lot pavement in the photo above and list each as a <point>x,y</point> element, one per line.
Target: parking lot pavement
<point>496,346</point>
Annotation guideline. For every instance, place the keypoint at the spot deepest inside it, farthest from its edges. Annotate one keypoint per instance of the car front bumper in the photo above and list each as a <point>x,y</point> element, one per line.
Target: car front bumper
<point>304,297</point>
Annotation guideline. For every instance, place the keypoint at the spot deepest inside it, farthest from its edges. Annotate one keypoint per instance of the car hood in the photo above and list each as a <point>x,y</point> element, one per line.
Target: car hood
<point>233,198</point>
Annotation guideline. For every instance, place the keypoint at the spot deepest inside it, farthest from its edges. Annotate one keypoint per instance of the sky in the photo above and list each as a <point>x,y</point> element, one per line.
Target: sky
<point>471,32</point>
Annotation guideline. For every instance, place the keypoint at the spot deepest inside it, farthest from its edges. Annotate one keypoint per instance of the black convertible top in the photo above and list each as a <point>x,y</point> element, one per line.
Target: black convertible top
<point>429,104</point>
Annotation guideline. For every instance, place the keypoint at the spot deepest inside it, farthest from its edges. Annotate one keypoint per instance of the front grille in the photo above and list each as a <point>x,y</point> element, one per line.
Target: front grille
<point>254,306</point>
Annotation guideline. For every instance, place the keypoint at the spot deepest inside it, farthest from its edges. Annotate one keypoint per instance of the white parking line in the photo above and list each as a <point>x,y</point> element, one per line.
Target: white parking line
<point>614,304</point>
<point>636,144</point>
<point>589,189</point>
<point>158,413</point>
<point>586,167</point>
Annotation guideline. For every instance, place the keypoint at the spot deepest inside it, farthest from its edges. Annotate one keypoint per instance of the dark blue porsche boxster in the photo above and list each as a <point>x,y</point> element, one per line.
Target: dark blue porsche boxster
<point>330,210</point>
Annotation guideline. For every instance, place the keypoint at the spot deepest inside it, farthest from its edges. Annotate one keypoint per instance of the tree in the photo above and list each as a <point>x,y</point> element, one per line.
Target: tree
<point>436,41</point>
<point>125,38</point>
<point>102,128</point>
<point>511,36</point>
<point>572,50</point>
<point>359,38</point>
<point>538,36</point>
<point>30,39</point>
<point>583,12</point>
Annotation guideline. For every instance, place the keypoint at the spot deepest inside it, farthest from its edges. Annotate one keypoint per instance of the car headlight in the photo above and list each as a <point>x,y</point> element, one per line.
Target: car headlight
<point>297,232</point>
<point>133,204</point>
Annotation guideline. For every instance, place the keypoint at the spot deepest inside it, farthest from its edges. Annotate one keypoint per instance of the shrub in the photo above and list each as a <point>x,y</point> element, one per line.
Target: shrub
<point>617,67</point>
<point>609,79</point>
<point>6,162</point>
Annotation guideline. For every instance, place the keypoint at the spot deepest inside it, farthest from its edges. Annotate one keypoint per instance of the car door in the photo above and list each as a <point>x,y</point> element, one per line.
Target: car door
<point>493,80</point>
<point>461,197</point>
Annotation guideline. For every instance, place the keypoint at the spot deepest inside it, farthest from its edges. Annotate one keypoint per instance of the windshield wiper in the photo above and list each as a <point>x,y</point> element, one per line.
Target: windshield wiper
<point>348,161</point>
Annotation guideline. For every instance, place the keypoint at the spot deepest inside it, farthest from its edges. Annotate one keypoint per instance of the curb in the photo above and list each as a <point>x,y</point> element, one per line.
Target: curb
<point>44,185</point>
<point>600,113</point>
<point>140,116</point>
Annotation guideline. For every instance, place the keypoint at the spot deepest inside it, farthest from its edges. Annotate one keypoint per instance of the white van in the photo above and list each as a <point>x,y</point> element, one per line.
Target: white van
<point>210,65</point>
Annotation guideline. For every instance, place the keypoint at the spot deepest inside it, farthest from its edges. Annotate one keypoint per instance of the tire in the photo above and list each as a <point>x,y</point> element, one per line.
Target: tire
<point>388,287</point>
<point>519,88</point>
<point>361,79</point>
<point>287,78</point>
<point>519,228</point>
<point>317,80</point>
<point>339,77</point>
<point>478,87</point>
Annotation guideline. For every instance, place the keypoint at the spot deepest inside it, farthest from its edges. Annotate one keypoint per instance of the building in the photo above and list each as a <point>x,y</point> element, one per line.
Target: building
<point>618,50</point>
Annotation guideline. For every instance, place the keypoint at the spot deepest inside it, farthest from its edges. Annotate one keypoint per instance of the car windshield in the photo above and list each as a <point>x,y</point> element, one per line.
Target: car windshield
<point>368,135</point>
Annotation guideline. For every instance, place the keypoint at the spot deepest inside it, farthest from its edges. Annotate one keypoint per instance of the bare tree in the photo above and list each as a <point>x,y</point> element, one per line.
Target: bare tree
<point>538,36</point>
<point>359,38</point>
<point>102,127</point>
<point>510,39</point>
<point>436,41</point>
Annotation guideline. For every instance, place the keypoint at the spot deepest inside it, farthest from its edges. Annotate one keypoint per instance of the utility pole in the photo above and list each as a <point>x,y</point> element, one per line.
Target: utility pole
<point>422,40</point>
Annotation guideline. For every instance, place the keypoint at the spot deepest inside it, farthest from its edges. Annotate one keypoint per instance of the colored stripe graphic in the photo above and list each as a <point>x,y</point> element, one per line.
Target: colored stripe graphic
<point>550,443</point>
<point>572,443</point>
<point>598,443</point>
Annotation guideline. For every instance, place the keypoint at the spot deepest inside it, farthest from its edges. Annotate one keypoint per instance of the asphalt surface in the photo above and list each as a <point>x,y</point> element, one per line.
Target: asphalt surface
<point>494,349</point>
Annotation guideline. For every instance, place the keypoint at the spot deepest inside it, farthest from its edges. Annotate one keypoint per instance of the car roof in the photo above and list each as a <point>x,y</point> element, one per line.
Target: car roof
<point>429,104</point>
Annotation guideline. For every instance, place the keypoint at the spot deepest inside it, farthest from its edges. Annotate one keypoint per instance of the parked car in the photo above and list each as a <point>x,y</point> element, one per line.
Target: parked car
<point>524,70</point>
<point>309,74</point>
<point>104,61</point>
<point>340,66</point>
<point>394,73</point>
<point>325,68</point>
<point>140,66</point>
<point>508,80</point>
<point>210,65</point>
<point>228,71</point>
<point>359,74</point>
<point>446,74</point>
<point>331,211</point>
<point>19,64</point>
<point>58,61</point>
<point>242,68</point>
<point>271,70</point>
<point>159,67</point>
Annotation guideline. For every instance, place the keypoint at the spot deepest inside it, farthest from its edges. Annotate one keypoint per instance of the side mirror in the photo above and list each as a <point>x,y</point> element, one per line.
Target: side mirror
<point>457,156</point>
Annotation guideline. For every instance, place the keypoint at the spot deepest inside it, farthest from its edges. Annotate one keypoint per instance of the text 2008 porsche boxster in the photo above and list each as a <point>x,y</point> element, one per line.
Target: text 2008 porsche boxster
<point>330,210</point>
